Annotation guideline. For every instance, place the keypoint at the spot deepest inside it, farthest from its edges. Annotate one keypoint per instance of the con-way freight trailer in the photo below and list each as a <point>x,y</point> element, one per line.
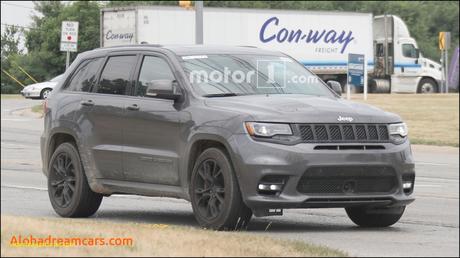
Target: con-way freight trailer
<point>319,40</point>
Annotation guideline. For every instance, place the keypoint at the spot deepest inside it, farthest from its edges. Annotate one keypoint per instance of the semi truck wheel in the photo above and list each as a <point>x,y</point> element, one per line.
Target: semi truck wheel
<point>427,85</point>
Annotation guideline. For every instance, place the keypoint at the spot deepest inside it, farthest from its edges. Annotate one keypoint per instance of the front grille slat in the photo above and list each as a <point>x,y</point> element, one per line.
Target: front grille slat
<point>306,133</point>
<point>361,132</point>
<point>383,132</point>
<point>335,132</point>
<point>373,136</point>
<point>320,133</point>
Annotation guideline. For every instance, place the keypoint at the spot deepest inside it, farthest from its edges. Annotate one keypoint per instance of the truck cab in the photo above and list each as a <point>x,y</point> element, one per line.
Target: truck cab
<point>398,64</point>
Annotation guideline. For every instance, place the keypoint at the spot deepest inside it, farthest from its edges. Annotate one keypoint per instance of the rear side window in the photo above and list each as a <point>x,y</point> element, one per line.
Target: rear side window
<point>153,68</point>
<point>85,75</point>
<point>116,74</point>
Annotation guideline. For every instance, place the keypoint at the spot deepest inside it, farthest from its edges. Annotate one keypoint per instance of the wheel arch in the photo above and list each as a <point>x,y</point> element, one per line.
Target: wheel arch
<point>57,138</point>
<point>436,82</point>
<point>197,146</point>
<point>43,90</point>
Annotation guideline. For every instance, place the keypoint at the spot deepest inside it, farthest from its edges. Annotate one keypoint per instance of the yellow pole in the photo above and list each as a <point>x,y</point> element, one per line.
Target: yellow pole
<point>11,76</point>
<point>32,78</point>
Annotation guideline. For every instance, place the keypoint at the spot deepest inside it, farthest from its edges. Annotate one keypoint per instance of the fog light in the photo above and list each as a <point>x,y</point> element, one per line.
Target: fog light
<point>271,184</point>
<point>271,187</point>
<point>268,188</point>
<point>407,185</point>
<point>275,187</point>
<point>264,187</point>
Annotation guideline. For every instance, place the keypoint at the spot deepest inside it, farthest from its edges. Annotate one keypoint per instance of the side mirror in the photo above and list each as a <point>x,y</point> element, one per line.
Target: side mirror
<point>417,53</point>
<point>335,86</point>
<point>163,89</point>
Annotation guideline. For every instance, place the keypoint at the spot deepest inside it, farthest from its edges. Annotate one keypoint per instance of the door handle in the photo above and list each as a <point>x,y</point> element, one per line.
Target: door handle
<point>133,107</point>
<point>88,102</point>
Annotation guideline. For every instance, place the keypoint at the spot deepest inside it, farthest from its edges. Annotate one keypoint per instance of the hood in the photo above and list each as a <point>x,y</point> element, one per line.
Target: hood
<point>431,65</point>
<point>302,109</point>
<point>42,85</point>
<point>431,68</point>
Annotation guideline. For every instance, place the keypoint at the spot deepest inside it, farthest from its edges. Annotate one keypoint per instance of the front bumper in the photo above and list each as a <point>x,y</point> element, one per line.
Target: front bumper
<point>255,160</point>
<point>30,93</point>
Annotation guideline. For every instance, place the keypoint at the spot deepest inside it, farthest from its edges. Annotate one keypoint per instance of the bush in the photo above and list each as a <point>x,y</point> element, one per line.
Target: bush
<point>10,89</point>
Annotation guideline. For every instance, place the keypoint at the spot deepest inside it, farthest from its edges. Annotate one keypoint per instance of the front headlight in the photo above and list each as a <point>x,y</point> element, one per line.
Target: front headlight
<point>267,130</point>
<point>398,132</point>
<point>400,129</point>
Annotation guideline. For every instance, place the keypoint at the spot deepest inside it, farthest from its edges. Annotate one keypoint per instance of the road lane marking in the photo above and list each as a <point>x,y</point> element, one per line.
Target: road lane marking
<point>24,187</point>
<point>18,119</point>
<point>428,185</point>
<point>435,164</point>
<point>427,178</point>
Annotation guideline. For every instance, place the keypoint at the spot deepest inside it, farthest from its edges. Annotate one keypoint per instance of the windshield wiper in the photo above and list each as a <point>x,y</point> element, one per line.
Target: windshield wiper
<point>227,94</point>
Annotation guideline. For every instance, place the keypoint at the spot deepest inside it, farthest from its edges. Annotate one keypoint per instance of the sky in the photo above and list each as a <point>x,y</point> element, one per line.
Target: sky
<point>16,13</point>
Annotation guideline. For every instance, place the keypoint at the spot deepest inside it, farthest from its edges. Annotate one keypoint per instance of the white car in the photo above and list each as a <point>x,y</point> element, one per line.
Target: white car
<point>40,90</point>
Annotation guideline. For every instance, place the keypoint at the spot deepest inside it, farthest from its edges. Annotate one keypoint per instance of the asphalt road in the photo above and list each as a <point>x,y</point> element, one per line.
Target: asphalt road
<point>430,226</point>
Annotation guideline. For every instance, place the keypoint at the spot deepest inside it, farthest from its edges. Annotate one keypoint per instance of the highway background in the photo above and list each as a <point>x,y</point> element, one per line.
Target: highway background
<point>429,227</point>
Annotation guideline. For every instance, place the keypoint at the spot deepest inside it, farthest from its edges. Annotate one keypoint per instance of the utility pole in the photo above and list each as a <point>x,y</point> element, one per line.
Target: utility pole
<point>199,22</point>
<point>67,60</point>
<point>444,45</point>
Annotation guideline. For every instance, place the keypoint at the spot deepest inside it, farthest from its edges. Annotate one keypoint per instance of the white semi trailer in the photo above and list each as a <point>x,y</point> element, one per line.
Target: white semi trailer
<point>320,40</point>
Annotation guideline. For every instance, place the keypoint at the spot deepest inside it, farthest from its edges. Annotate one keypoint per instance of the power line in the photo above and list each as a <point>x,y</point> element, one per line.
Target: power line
<point>13,25</point>
<point>18,5</point>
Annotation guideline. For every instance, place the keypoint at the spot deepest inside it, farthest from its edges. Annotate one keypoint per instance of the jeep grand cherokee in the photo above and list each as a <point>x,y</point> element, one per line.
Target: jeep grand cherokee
<point>237,131</point>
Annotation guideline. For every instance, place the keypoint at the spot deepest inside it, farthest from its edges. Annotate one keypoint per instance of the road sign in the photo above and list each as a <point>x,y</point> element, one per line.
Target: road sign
<point>444,45</point>
<point>356,70</point>
<point>68,46</point>
<point>69,32</point>
<point>444,40</point>
<point>69,39</point>
<point>356,73</point>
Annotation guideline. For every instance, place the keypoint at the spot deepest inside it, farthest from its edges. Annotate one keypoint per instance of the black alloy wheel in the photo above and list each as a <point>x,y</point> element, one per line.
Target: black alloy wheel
<point>210,189</point>
<point>62,180</point>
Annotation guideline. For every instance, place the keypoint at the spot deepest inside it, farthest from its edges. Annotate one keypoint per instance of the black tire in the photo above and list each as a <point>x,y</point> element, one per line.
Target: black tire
<point>353,89</point>
<point>68,189</point>
<point>215,194</point>
<point>45,93</point>
<point>383,217</point>
<point>427,85</point>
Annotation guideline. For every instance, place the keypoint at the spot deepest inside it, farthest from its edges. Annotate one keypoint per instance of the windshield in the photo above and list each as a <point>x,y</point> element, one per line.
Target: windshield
<point>231,75</point>
<point>56,79</point>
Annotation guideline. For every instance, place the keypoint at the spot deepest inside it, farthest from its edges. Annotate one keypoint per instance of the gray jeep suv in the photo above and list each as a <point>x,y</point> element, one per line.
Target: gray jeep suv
<point>236,131</point>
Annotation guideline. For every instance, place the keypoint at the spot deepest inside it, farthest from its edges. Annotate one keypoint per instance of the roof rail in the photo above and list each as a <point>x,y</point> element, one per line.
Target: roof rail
<point>135,45</point>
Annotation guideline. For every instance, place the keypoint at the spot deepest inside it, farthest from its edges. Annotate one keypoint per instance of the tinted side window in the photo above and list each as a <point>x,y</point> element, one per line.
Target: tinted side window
<point>85,75</point>
<point>409,50</point>
<point>115,76</point>
<point>153,68</point>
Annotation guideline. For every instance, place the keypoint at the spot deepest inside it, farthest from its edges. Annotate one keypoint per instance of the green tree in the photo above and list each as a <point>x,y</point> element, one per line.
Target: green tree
<point>9,50</point>
<point>43,43</point>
